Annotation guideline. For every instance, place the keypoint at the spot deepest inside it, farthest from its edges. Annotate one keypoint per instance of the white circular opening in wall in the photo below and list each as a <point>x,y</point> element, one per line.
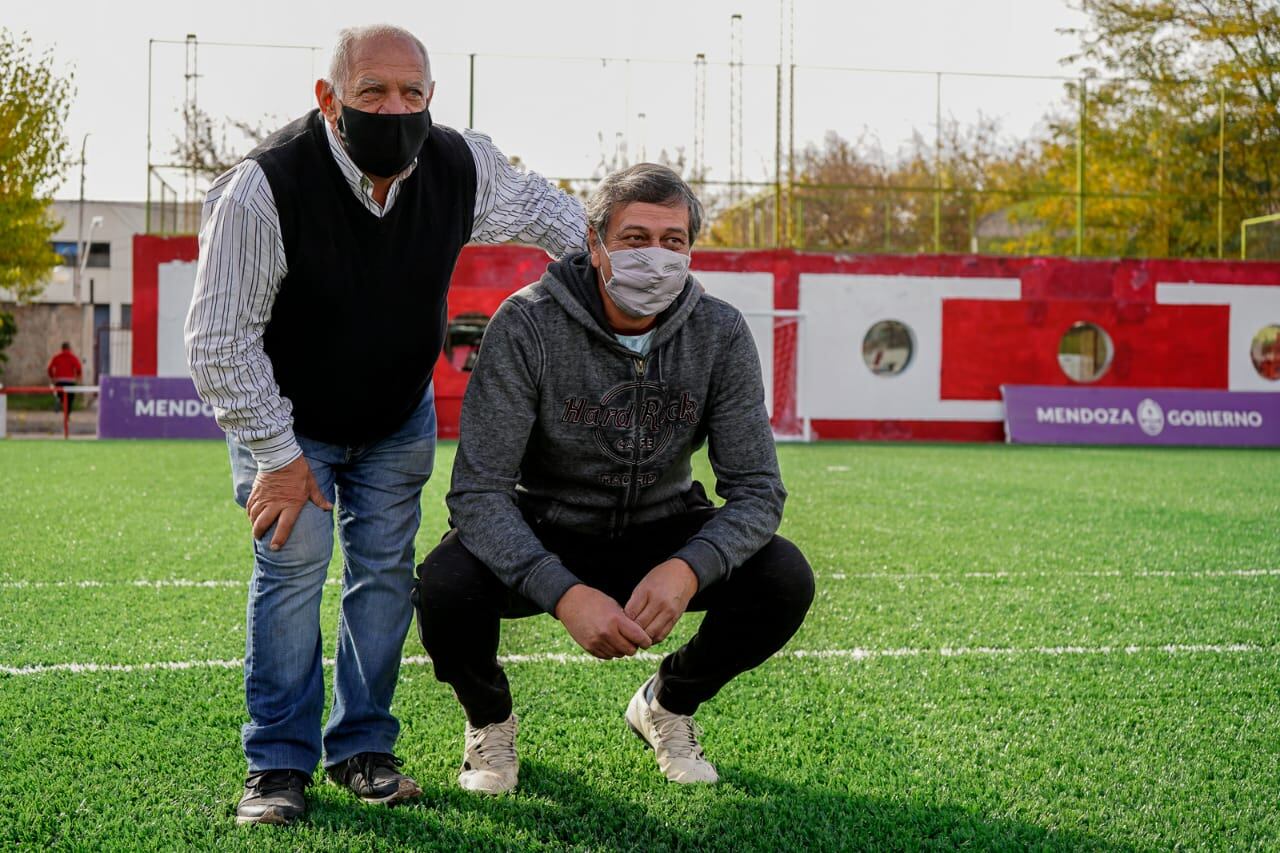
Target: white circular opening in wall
<point>888,347</point>
<point>1085,352</point>
<point>1265,352</point>
<point>462,340</point>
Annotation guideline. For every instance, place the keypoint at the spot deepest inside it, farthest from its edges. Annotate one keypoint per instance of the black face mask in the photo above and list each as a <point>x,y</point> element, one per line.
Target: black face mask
<point>383,145</point>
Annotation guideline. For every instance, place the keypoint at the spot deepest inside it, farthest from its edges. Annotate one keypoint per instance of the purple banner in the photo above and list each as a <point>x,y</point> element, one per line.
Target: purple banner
<point>1044,414</point>
<point>153,407</point>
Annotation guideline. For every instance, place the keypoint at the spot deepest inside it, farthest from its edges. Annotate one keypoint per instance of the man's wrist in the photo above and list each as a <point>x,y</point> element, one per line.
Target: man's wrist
<point>689,575</point>
<point>272,454</point>
<point>564,596</point>
<point>703,560</point>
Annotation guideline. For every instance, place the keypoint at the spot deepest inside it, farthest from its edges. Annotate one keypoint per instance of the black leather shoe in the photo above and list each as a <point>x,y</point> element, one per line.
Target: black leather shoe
<point>375,778</point>
<point>273,796</point>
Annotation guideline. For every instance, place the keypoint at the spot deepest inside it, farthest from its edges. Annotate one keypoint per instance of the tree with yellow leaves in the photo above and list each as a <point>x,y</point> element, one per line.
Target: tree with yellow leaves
<point>34,101</point>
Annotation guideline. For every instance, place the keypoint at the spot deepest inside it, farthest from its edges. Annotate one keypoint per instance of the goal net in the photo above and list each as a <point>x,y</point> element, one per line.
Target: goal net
<point>779,335</point>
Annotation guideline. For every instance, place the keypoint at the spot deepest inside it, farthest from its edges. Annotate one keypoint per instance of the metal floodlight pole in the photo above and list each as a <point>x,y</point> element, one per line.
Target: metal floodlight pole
<point>785,101</point>
<point>150,46</point>
<point>80,247</point>
<point>471,94</point>
<point>191,107</point>
<point>735,108</point>
<point>791,121</point>
<point>700,116</point>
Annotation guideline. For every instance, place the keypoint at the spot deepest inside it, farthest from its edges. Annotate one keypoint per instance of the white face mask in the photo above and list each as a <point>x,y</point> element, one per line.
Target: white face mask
<point>646,280</point>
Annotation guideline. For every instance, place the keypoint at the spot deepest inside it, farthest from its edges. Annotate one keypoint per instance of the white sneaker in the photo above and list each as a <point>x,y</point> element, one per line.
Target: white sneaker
<point>489,762</point>
<point>674,738</point>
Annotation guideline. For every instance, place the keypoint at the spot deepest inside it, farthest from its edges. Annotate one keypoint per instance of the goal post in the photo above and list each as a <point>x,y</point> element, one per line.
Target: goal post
<point>1260,238</point>
<point>779,335</point>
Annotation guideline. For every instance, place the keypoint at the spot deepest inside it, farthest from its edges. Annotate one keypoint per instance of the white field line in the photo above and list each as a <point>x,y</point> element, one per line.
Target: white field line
<point>169,583</point>
<point>182,583</point>
<point>1115,573</point>
<point>566,658</point>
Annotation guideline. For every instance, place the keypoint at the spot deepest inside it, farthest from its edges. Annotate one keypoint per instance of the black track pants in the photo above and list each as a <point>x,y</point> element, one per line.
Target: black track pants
<point>750,615</point>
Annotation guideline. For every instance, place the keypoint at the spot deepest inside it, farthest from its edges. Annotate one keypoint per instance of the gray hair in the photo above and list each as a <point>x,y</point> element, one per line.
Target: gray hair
<point>644,182</point>
<point>348,38</point>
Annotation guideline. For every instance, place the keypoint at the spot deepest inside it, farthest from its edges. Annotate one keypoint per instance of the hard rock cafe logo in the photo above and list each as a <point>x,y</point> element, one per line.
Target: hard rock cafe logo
<point>614,420</point>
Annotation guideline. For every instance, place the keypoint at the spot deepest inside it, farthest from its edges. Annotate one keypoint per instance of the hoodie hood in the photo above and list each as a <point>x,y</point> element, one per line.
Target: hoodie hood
<point>571,281</point>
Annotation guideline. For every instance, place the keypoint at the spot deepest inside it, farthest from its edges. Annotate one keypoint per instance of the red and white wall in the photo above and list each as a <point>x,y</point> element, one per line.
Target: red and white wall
<point>977,323</point>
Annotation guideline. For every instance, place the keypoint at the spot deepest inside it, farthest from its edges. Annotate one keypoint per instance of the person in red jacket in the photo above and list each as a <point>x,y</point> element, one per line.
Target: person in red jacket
<point>65,369</point>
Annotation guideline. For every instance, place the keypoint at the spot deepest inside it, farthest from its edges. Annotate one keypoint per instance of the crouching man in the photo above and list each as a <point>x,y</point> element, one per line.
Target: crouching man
<point>572,491</point>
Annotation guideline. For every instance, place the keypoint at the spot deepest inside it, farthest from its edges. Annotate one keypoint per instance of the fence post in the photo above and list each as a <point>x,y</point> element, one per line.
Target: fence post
<point>937,170</point>
<point>1080,156</point>
<point>778,211</point>
<point>791,156</point>
<point>888,222</point>
<point>1222,149</point>
<point>799,242</point>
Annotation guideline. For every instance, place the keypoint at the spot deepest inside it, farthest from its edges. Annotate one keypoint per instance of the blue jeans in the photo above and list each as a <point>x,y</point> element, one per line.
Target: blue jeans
<point>377,494</point>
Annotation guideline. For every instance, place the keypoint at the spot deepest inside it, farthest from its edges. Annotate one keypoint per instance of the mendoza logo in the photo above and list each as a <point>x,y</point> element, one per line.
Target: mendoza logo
<point>615,418</point>
<point>1150,417</point>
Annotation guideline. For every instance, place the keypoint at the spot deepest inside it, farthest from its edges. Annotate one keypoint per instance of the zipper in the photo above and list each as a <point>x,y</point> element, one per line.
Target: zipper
<point>632,491</point>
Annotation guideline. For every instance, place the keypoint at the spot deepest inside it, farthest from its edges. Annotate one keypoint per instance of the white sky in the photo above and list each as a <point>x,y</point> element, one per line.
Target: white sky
<point>561,117</point>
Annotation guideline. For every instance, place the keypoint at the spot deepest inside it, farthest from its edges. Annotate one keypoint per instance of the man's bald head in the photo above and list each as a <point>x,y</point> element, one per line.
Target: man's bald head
<point>351,39</point>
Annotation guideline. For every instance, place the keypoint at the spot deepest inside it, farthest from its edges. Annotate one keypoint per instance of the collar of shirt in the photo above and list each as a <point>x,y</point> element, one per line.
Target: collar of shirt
<point>358,180</point>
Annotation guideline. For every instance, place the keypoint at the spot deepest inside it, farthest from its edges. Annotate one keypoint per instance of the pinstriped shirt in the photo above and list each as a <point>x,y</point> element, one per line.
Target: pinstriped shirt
<point>242,263</point>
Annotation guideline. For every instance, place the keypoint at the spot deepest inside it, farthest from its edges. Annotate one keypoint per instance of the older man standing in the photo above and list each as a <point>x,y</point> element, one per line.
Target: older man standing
<point>318,316</point>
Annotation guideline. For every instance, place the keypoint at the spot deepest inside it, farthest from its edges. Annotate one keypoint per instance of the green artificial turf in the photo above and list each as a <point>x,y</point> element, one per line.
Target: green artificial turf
<point>1011,648</point>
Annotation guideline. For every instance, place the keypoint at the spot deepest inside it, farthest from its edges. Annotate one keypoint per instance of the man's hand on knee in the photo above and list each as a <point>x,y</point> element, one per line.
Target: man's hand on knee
<point>279,496</point>
<point>660,599</point>
<point>597,623</point>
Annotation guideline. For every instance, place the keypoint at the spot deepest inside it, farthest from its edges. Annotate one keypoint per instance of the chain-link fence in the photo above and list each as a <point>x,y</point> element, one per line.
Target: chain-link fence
<point>837,159</point>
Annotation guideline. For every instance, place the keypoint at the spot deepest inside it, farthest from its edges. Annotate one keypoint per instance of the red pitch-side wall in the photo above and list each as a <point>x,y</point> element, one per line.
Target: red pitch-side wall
<point>149,252</point>
<point>985,343</point>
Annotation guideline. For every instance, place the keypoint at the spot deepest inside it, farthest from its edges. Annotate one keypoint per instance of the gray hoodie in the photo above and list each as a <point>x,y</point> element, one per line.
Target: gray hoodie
<point>563,423</point>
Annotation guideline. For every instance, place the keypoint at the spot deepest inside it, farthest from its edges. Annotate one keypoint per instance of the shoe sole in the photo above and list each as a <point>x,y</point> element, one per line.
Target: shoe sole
<point>485,792</point>
<point>408,790</point>
<point>271,817</point>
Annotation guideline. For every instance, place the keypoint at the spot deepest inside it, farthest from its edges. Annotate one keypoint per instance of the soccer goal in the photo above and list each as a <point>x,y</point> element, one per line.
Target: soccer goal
<point>779,337</point>
<point>1260,238</point>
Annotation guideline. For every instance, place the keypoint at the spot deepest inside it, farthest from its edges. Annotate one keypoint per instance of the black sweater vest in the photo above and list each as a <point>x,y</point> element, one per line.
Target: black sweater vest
<point>360,316</point>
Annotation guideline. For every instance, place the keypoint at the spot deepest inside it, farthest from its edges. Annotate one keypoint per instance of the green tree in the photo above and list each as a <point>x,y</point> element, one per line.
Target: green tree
<point>1159,77</point>
<point>8,331</point>
<point>34,101</point>
<point>851,195</point>
<point>1165,86</point>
